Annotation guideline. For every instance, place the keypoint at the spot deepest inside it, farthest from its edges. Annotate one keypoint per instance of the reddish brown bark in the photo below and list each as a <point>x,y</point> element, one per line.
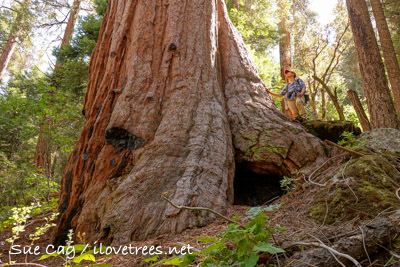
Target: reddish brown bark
<point>362,116</point>
<point>379,101</point>
<point>42,159</point>
<point>9,48</point>
<point>69,29</point>
<point>285,51</point>
<point>7,53</point>
<point>173,100</point>
<point>236,4</point>
<point>392,65</point>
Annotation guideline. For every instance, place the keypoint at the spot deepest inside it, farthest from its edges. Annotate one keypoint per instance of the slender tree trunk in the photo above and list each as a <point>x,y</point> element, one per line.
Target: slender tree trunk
<point>392,65</point>
<point>236,4</point>
<point>380,104</point>
<point>173,100</point>
<point>323,104</point>
<point>332,97</point>
<point>9,48</point>
<point>362,116</point>
<point>285,55</point>
<point>69,29</point>
<point>7,54</point>
<point>42,159</point>
<point>313,95</point>
<point>314,104</point>
<point>285,51</point>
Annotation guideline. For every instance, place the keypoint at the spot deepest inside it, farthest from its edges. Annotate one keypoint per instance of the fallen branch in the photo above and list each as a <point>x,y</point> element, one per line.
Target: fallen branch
<point>201,209</point>
<point>345,149</point>
<point>335,252</point>
<point>309,177</point>
<point>365,248</point>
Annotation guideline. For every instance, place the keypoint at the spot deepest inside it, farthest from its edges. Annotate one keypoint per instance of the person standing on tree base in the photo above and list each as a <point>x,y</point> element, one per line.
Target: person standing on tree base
<point>293,91</point>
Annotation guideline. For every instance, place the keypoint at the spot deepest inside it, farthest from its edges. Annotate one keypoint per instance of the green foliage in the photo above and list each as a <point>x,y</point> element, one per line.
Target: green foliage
<point>6,212</point>
<point>72,73</point>
<point>236,246</point>
<point>349,140</point>
<point>19,218</point>
<point>78,249</point>
<point>100,7</point>
<point>256,22</point>
<point>288,184</point>
<point>35,105</point>
<point>23,104</point>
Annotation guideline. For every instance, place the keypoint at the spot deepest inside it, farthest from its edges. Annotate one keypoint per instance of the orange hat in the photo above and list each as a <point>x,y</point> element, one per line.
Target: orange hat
<point>286,71</point>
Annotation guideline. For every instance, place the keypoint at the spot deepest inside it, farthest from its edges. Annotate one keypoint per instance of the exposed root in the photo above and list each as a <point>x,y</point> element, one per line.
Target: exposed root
<point>345,149</point>
<point>200,208</point>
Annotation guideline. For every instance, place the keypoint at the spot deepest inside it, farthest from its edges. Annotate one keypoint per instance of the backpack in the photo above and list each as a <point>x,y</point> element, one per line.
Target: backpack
<point>306,95</point>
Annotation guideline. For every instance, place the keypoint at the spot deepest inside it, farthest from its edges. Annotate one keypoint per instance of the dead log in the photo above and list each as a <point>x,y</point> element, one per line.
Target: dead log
<point>366,243</point>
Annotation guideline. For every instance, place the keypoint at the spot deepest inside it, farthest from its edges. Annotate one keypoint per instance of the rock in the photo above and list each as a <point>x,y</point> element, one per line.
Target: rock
<point>330,130</point>
<point>383,140</point>
<point>363,187</point>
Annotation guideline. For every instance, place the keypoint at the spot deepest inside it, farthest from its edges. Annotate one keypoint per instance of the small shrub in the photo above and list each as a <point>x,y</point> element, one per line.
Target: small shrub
<point>236,246</point>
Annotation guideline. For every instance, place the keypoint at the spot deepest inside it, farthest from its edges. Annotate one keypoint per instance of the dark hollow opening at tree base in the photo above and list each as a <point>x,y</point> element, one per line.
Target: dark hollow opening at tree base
<point>255,189</point>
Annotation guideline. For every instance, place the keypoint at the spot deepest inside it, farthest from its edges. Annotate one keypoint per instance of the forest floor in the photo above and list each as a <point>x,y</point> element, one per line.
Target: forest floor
<point>330,206</point>
<point>293,216</point>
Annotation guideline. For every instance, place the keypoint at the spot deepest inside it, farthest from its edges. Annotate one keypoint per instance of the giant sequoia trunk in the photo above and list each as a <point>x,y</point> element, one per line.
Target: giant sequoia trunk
<point>173,101</point>
<point>380,104</point>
